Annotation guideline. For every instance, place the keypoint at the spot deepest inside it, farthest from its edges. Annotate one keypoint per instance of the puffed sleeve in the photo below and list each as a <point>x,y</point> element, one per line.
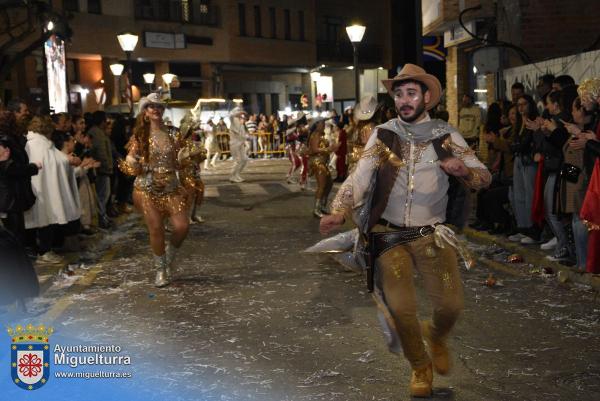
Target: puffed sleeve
<point>353,191</point>
<point>479,176</point>
<point>132,164</point>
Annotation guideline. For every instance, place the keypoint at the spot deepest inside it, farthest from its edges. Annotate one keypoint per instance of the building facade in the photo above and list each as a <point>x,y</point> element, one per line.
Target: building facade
<point>259,50</point>
<point>509,33</point>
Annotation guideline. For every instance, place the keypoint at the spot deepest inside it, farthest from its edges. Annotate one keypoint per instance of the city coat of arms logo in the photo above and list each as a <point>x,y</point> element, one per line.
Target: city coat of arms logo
<point>30,355</point>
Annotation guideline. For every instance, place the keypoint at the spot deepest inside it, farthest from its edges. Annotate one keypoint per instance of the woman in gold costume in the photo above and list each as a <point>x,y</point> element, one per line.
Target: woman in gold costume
<point>161,158</point>
<point>367,115</point>
<point>318,159</point>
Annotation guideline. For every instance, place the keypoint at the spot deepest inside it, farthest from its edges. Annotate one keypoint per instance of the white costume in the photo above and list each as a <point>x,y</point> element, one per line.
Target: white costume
<point>55,186</point>
<point>237,144</point>
<point>211,146</point>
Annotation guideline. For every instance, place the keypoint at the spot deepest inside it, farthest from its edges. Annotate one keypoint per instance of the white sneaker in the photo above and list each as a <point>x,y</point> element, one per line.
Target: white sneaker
<point>50,258</point>
<point>529,241</point>
<point>516,237</point>
<point>549,245</point>
<point>236,179</point>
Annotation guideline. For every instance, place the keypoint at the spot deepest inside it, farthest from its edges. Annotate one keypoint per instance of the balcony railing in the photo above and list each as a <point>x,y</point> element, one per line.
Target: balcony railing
<point>343,52</point>
<point>183,11</point>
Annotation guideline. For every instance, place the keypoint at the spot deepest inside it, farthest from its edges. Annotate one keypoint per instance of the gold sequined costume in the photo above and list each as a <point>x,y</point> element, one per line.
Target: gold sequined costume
<point>317,163</point>
<point>167,179</point>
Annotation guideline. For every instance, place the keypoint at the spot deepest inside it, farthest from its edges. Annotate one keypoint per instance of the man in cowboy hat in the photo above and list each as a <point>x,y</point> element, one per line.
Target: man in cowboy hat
<point>237,143</point>
<point>397,196</point>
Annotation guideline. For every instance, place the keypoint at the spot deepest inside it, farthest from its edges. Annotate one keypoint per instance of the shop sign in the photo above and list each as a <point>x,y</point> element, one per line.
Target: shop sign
<point>164,40</point>
<point>457,34</point>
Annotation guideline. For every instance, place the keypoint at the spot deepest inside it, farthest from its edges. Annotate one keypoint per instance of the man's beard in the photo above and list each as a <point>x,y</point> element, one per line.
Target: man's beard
<point>419,110</point>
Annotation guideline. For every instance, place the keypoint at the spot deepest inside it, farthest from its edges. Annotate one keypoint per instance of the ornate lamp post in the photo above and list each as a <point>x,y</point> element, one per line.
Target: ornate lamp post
<point>117,70</point>
<point>149,79</point>
<point>355,33</point>
<point>128,41</point>
<point>168,78</point>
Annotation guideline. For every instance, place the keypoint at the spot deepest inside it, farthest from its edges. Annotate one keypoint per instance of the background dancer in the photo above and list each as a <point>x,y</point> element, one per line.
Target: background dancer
<point>156,154</point>
<point>210,144</point>
<point>318,154</point>
<point>191,177</point>
<point>291,147</point>
<point>238,136</point>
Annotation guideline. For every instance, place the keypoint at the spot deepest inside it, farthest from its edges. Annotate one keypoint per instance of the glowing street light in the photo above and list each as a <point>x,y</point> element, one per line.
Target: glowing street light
<point>128,41</point>
<point>117,69</point>
<point>149,79</point>
<point>168,78</point>
<point>355,33</point>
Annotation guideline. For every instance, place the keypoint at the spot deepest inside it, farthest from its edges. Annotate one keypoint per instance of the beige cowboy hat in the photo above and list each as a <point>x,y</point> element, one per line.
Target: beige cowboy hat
<point>411,71</point>
<point>237,111</point>
<point>366,108</point>
<point>299,116</point>
<point>152,98</point>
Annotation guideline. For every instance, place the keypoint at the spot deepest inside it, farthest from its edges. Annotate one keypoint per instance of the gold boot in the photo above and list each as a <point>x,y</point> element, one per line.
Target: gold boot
<point>421,381</point>
<point>438,349</point>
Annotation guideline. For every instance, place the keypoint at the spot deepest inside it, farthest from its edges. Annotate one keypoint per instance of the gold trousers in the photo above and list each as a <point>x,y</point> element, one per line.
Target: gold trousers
<point>442,282</point>
<point>323,177</point>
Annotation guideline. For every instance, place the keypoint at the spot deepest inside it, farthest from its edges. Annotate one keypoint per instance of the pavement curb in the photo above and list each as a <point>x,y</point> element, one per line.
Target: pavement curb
<point>531,255</point>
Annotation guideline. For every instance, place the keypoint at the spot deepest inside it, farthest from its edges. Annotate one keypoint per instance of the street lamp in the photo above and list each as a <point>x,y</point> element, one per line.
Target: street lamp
<point>149,79</point>
<point>128,41</point>
<point>117,70</point>
<point>355,33</point>
<point>168,78</point>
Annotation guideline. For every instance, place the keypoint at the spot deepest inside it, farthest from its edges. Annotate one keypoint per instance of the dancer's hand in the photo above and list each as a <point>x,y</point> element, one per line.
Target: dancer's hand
<point>454,166</point>
<point>330,222</point>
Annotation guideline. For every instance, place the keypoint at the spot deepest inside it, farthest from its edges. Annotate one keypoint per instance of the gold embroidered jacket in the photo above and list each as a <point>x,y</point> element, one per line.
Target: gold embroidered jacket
<point>419,195</point>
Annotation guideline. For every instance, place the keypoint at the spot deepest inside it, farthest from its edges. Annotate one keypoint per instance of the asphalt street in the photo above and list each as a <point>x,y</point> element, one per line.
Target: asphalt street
<point>249,317</point>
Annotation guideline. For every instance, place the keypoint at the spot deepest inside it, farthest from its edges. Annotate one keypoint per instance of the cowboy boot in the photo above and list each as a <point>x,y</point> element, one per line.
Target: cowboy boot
<point>317,210</point>
<point>170,254</point>
<point>438,349</point>
<point>160,264</point>
<point>324,209</point>
<point>194,216</point>
<point>421,381</point>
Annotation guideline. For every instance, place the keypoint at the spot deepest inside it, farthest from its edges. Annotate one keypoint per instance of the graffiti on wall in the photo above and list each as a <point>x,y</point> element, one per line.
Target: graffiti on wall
<point>580,66</point>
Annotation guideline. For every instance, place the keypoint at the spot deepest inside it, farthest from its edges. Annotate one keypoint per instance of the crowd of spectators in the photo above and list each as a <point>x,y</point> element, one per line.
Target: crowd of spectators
<point>61,178</point>
<point>542,155</point>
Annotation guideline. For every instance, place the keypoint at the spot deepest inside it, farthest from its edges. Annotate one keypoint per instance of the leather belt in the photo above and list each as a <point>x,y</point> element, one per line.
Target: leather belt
<point>380,242</point>
<point>388,224</point>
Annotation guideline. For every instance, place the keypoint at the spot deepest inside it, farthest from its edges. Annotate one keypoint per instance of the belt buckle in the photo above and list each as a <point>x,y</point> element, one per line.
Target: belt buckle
<point>421,231</point>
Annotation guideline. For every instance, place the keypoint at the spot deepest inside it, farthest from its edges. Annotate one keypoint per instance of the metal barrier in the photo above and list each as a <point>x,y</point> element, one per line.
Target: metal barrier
<point>273,144</point>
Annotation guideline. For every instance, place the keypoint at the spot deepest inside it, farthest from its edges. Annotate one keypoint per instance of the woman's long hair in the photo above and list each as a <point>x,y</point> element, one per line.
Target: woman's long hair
<point>141,134</point>
<point>493,121</point>
<point>532,111</point>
